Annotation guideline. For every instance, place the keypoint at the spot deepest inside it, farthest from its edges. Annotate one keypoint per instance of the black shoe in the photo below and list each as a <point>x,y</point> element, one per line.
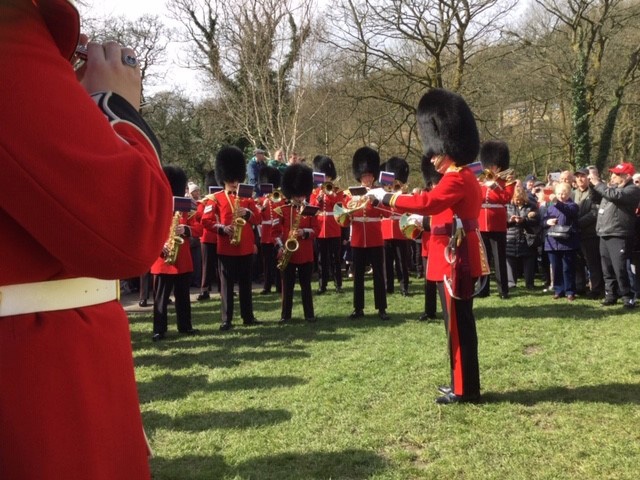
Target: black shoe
<point>404,292</point>
<point>169,302</point>
<point>505,296</point>
<point>282,321</point>
<point>631,303</point>
<point>607,302</point>
<point>356,314</point>
<point>203,296</point>
<point>252,321</point>
<point>425,317</point>
<point>390,291</point>
<point>321,290</point>
<point>191,331</point>
<point>143,303</point>
<point>383,314</point>
<point>157,337</point>
<point>264,291</point>
<point>339,290</point>
<point>444,389</point>
<point>311,319</point>
<point>451,398</point>
<point>225,326</point>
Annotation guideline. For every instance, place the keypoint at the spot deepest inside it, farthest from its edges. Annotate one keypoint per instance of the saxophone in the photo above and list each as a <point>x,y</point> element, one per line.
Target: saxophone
<point>291,245</point>
<point>238,222</point>
<point>172,245</point>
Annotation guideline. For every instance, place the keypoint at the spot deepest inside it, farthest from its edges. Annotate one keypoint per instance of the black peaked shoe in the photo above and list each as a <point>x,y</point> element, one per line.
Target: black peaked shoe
<point>143,303</point>
<point>225,326</point>
<point>425,317</point>
<point>191,331</point>
<point>339,290</point>
<point>451,398</point>
<point>383,314</point>
<point>157,337</point>
<point>203,296</point>
<point>321,291</point>
<point>284,321</point>
<point>444,389</point>
<point>311,319</point>
<point>356,314</point>
<point>607,302</point>
<point>252,321</point>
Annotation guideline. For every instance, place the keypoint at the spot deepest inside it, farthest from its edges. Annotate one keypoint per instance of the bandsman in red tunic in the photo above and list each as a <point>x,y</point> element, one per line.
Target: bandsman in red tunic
<point>329,239</point>
<point>233,217</point>
<point>270,219</point>
<point>497,192</point>
<point>171,270</point>
<point>208,242</point>
<point>456,255</point>
<point>83,202</point>
<point>296,232</point>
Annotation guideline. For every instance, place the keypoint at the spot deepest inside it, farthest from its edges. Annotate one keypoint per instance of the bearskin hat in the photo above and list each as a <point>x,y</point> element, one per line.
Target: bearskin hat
<point>494,153</point>
<point>446,126</point>
<point>270,175</point>
<point>399,167</point>
<point>177,179</point>
<point>430,175</point>
<point>365,160</point>
<point>230,165</point>
<point>324,164</point>
<point>297,180</point>
<point>210,180</point>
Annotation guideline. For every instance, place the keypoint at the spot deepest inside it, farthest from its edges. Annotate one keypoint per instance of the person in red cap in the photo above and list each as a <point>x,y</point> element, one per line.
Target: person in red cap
<point>616,228</point>
<point>69,407</point>
<point>456,254</point>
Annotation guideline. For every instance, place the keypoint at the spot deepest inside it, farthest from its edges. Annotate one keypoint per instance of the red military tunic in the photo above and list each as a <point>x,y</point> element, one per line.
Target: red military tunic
<point>206,206</point>
<point>493,212</point>
<point>81,194</point>
<point>184,262</point>
<point>309,223</point>
<point>269,220</point>
<point>458,192</point>
<point>366,229</point>
<point>222,215</point>
<point>391,228</point>
<point>329,228</point>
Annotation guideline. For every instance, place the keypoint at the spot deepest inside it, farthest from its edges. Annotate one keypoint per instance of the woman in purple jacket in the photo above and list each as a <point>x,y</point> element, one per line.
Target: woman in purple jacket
<point>562,242</point>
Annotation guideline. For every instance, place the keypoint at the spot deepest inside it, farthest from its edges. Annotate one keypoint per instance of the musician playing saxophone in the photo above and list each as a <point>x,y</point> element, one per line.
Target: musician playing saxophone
<point>295,232</point>
<point>236,241</point>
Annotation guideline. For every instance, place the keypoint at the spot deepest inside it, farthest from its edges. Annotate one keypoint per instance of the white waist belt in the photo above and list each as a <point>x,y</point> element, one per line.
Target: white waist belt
<point>56,295</point>
<point>268,222</point>
<point>493,205</point>
<point>326,214</point>
<point>365,219</point>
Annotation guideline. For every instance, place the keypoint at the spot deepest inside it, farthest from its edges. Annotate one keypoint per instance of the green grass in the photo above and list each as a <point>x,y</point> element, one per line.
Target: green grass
<point>345,399</point>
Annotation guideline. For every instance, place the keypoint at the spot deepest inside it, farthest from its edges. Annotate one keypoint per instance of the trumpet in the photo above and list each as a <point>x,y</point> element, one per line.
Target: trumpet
<point>397,186</point>
<point>275,196</point>
<point>329,188</point>
<point>488,175</point>
<point>409,229</point>
<point>238,223</point>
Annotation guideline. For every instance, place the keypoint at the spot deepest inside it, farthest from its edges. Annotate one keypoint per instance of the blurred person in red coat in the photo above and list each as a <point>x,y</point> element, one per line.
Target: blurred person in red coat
<point>269,219</point>
<point>235,255</point>
<point>329,239</point>
<point>174,275</point>
<point>299,229</point>
<point>496,194</point>
<point>69,406</point>
<point>208,242</point>
<point>456,254</point>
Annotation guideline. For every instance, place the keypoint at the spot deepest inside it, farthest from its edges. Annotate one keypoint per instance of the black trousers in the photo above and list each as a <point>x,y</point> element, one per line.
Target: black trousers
<point>430,293</point>
<point>163,285</point>
<point>615,253</point>
<point>397,253</point>
<point>210,267</point>
<point>304,270</point>
<point>146,280</point>
<point>362,257</point>
<point>330,261</point>
<point>235,269</point>
<point>495,243</point>
<point>589,258</point>
<point>269,261</point>
<point>460,325</point>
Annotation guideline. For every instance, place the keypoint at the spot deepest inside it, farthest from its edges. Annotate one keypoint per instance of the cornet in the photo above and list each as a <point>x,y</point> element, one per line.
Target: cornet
<point>342,214</point>
<point>275,196</point>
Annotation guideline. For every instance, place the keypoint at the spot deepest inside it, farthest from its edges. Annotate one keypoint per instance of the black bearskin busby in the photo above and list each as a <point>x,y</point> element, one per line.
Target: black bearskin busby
<point>447,127</point>
<point>399,167</point>
<point>366,160</point>
<point>494,153</point>
<point>230,165</point>
<point>270,175</point>
<point>177,179</point>
<point>210,180</point>
<point>324,164</point>
<point>297,181</point>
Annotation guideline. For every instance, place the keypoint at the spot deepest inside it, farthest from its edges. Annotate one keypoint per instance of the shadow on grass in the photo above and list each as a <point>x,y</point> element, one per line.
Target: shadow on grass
<point>172,387</point>
<point>220,358</point>
<point>250,418</point>
<point>613,393</point>
<point>347,464</point>
<point>555,310</point>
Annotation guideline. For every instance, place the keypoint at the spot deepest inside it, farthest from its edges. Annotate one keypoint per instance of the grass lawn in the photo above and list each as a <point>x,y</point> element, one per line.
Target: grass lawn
<point>354,399</point>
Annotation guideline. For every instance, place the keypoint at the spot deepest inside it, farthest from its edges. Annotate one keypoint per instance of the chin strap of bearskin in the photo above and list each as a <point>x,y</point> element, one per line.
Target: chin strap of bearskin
<point>459,283</point>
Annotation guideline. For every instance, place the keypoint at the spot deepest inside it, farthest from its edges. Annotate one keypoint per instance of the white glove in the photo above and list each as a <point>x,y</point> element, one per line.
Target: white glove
<point>415,219</point>
<point>377,193</point>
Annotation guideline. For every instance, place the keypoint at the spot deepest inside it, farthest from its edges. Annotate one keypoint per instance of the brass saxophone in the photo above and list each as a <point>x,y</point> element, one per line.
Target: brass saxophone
<point>238,222</point>
<point>291,245</point>
<point>174,241</point>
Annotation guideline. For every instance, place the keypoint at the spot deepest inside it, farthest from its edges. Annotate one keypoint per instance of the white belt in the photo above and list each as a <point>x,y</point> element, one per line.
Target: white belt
<point>267,222</point>
<point>492,205</point>
<point>56,295</point>
<point>365,219</point>
<point>326,214</point>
